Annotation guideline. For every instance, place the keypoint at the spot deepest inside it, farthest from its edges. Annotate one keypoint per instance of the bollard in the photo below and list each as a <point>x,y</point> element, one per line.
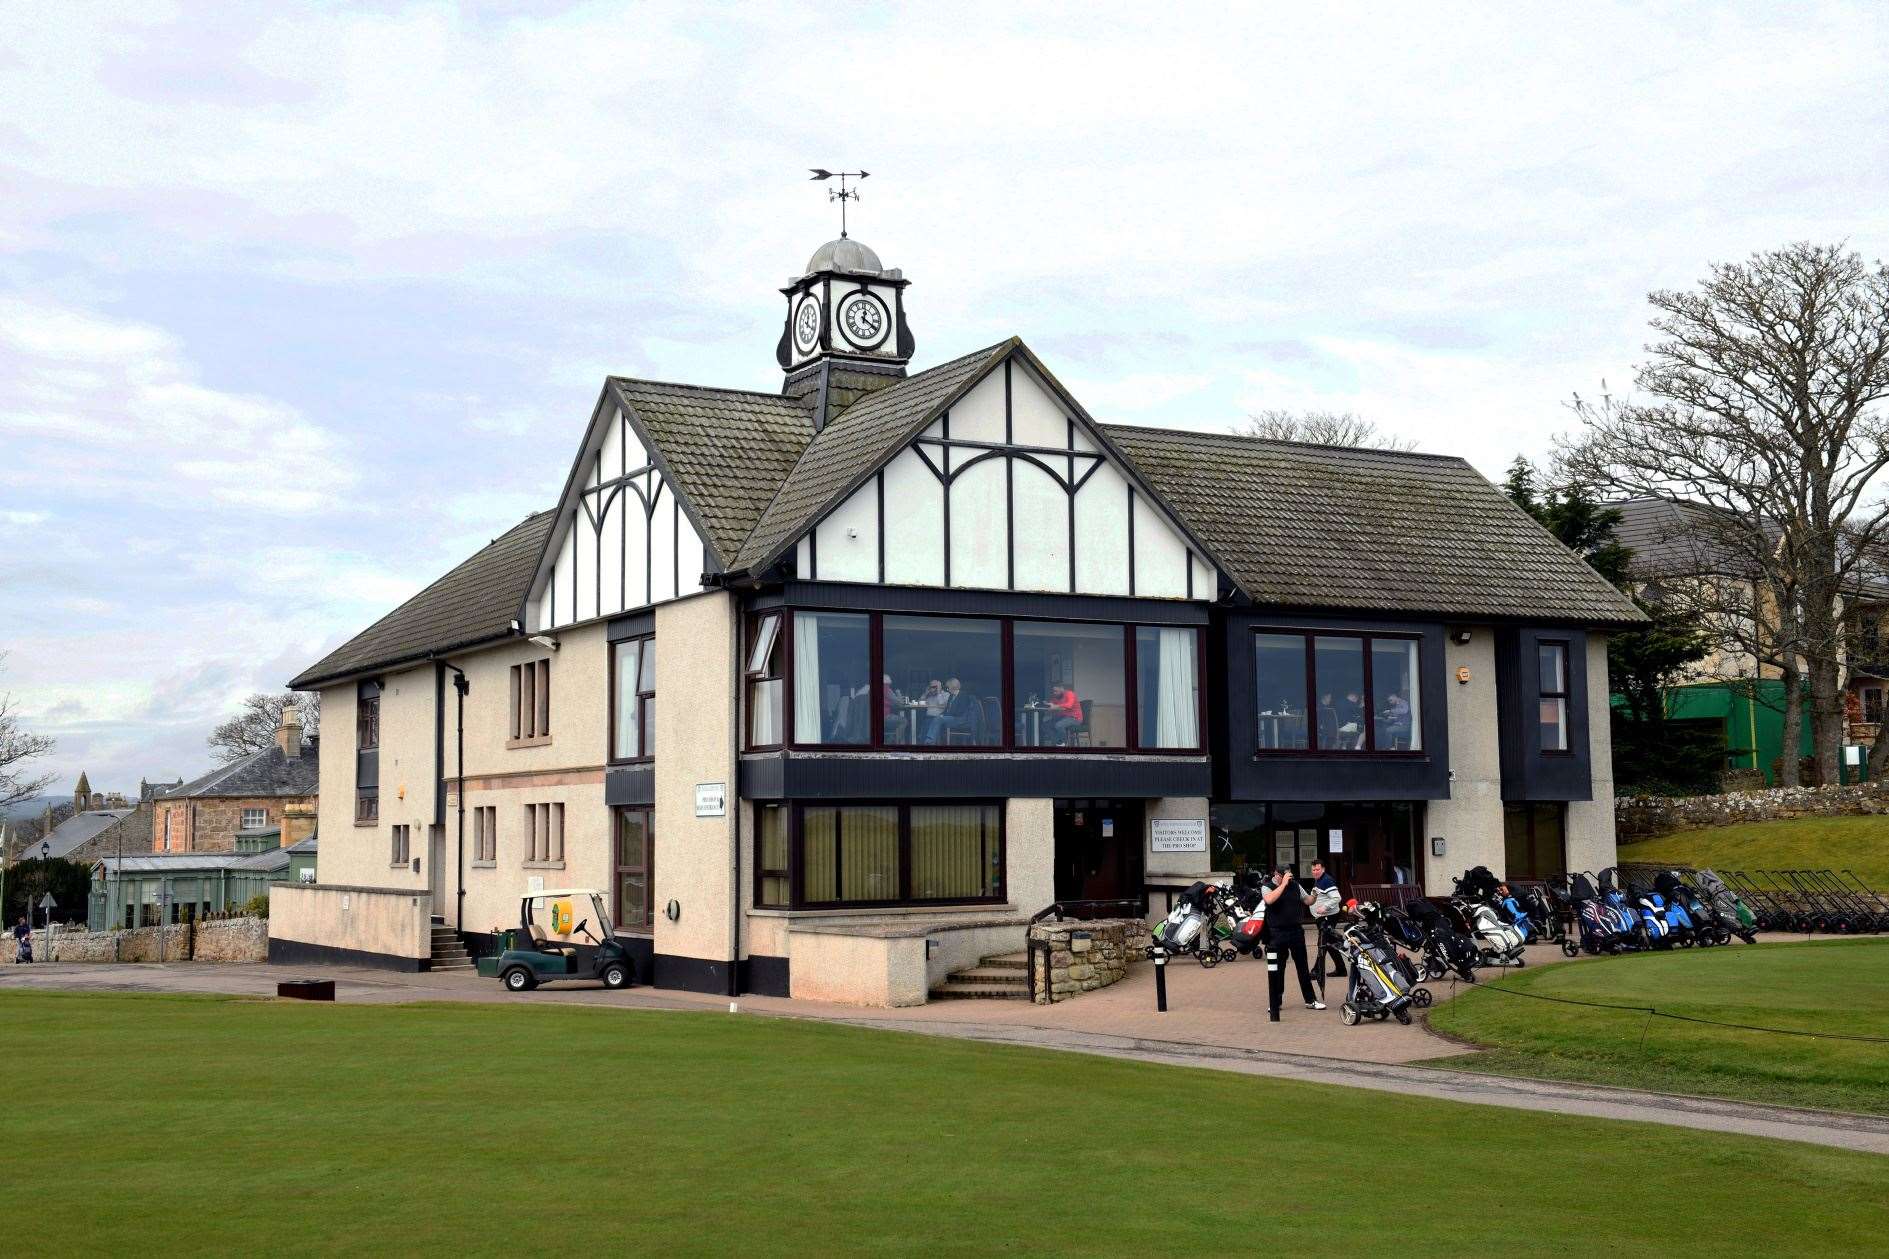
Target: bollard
<point>1161,982</point>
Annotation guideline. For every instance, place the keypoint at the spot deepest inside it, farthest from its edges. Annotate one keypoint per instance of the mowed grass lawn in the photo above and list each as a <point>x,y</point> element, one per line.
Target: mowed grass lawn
<point>216,1126</point>
<point>1821,986</point>
<point>1860,844</point>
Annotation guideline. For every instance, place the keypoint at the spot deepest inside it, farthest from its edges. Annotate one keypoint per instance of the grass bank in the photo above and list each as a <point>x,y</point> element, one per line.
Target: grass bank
<point>214,1126</point>
<point>1824,986</point>
<point>1859,843</point>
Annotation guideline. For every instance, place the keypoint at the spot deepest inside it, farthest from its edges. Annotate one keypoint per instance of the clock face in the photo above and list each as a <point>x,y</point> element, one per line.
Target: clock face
<point>807,324</point>
<point>863,319</point>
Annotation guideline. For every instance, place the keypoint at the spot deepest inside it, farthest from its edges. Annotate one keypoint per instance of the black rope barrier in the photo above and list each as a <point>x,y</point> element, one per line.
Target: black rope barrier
<point>1685,1018</point>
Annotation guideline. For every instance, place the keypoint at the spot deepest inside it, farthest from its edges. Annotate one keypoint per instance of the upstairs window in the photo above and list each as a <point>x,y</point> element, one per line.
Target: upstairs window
<point>764,681</point>
<point>531,701</point>
<point>544,834</point>
<point>633,710</point>
<point>367,719</point>
<point>1553,659</point>
<point>255,819</point>
<point>1337,693</point>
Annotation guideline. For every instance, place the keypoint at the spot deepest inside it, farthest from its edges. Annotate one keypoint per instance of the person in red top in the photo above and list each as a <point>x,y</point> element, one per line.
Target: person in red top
<point>1065,715</point>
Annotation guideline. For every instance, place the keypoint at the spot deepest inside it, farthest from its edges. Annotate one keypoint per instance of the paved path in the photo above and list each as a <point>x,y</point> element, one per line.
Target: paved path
<point>1215,1020</point>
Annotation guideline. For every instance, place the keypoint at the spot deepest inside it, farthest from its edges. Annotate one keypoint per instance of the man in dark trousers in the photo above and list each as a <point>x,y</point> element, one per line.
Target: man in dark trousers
<point>1285,936</point>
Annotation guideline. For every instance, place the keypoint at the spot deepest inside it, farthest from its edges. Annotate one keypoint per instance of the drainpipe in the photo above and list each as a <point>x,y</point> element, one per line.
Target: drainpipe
<point>734,794</point>
<point>461,686</point>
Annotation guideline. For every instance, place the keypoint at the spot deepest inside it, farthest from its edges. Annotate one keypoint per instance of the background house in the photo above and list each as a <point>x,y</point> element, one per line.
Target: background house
<point>276,787</point>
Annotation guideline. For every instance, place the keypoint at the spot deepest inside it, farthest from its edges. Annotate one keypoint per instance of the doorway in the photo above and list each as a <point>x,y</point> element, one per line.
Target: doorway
<point>436,869</point>
<point>1099,850</point>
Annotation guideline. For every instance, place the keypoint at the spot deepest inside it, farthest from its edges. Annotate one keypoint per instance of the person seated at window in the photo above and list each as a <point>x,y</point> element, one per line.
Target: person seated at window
<point>961,713</point>
<point>1395,720</point>
<point>934,699</point>
<point>1065,715</point>
<point>1327,721</point>
<point>889,699</point>
<point>1351,714</point>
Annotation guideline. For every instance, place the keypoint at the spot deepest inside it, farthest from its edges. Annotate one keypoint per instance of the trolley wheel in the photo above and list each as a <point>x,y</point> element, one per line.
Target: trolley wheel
<point>1570,949</point>
<point>1422,998</point>
<point>1348,1014</point>
<point>1229,954</point>
<point>1520,961</point>
<point>1403,1015</point>
<point>1209,958</point>
<point>1434,969</point>
<point>1685,942</point>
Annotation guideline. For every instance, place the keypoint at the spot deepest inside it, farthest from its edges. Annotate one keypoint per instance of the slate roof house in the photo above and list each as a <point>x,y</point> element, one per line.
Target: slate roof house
<point>832,688</point>
<point>232,807</point>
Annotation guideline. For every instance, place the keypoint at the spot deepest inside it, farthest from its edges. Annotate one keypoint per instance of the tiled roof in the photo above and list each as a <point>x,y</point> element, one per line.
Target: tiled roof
<point>856,441</point>
<point>474,602</point>
<point>77,829</point>
<point>270,772</point>
<point>728,450</point>
<point>1383,531</point>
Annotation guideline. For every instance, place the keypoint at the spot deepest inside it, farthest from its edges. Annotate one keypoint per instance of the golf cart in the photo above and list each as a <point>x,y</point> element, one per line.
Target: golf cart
<point>554,940</point>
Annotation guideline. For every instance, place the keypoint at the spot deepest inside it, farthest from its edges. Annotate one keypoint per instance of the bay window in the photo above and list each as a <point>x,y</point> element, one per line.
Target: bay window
<point>825,856</point>
<point>1553,663</point>
<point>633,699</point>
<point>1336,692</point>
<point>911,682</point>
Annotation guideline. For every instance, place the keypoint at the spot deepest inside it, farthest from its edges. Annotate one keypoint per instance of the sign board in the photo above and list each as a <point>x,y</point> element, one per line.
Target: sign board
<point>1334,841</point>
<point>535,884</point>
<point>711,799</point>
<point>1177,835</point>
<point>1853,754</point>
<point>1108,828</point>
<point>47,902</point>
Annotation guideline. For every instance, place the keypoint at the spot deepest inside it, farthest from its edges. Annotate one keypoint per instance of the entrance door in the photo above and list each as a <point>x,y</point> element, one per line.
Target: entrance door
<point>436,869</point>
<point>1098,850</point>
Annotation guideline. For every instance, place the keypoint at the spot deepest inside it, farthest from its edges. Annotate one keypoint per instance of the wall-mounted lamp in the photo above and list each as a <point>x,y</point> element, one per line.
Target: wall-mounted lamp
<point>1461,637</point>
<point>545,641</point>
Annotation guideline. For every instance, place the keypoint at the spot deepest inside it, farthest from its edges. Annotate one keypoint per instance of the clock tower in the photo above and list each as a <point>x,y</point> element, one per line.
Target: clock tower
<point>846,333</point>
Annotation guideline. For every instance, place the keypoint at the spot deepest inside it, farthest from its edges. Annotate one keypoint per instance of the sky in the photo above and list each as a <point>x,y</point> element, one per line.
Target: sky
<point>301,305</point>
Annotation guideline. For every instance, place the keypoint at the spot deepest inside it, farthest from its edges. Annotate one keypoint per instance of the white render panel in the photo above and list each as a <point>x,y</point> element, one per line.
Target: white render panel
<point>616,528</point>
<point>1036,415</point>
<point>635,550</point>
<point>803,557</point>
<point>1161,554</point>
<point>1206,579</point>
<point>1102,534</point>
<point>846,543</point>
<point>662,543</point>
<point>979,534</point>
<point>914,523</point>
<point>1040,510</point>
<point>979,415</point>
<point>1082,441</point>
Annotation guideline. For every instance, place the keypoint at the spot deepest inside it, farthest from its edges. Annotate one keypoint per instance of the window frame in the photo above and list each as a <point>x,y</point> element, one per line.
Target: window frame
<point>1564,695</point>
<point>779,652</point>
<point>243,823</point>
<point>1365,638</point>
<point>530,696</point>
<point>648,870</point>
<point>1007,744</point>
<point>400,845</point>
<point>645,701</point>
<point>793,816</point>
<point>484,835</point>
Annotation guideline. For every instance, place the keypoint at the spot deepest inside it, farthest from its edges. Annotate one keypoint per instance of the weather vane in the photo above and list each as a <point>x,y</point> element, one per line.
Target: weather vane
<point>844,194</point>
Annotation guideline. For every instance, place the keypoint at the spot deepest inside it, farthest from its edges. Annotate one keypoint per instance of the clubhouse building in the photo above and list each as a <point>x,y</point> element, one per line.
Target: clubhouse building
<point>830,689</point>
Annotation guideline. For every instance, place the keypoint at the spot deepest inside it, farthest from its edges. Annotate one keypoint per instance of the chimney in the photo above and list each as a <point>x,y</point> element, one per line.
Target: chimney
<point>288,735</point>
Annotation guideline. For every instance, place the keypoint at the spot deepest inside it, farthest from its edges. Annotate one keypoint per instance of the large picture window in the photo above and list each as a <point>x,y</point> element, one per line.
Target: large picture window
<point>1535,840</point>
<point>635,870</point>
<point>1338,693</point>
<point>633,707</point>
<point>824,856</point>
<point>908,682</point>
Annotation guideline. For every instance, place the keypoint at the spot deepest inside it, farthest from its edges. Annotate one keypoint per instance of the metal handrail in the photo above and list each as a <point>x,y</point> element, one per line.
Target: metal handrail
<point>1058,909</point>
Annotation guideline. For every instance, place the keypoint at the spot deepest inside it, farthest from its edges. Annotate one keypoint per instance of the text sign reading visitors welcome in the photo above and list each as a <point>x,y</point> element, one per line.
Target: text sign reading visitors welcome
<point>1178,835</point>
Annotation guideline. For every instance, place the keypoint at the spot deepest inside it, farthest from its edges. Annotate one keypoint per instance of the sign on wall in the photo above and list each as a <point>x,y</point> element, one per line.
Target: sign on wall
<point>1177,835</point>
<point>1334,841</point>
<point>711,799</point>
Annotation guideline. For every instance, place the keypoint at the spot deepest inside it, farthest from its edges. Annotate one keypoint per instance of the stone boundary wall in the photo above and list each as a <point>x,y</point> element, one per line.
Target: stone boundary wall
<point>1643,817</point>
<point>219,940</point>
<point>1075,964</point>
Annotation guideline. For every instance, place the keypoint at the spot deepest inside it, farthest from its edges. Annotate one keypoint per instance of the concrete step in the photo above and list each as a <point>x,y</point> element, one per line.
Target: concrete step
<point>451,955</point>
<point>1009,961</point>
<point>950,990</point>
<point>461,963</point>
<point>1001,976</point>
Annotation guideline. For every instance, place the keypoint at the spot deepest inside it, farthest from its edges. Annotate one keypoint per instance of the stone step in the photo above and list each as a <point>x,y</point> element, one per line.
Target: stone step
<point>950,990</point>
<point>999,975</point>
<point>451,955</point>
<point>462,963</point>
<point>1009,961</point>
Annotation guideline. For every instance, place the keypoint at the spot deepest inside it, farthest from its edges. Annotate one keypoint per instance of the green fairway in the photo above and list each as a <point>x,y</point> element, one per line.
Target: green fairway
<point>216,1126</point>
<point>1857,843</point>
<point>1825,986</point>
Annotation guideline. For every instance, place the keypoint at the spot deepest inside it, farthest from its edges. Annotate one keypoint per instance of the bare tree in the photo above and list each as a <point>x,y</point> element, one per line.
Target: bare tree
<point>1323,428</point>
<point>18,748</point>
<point>1765,407</point>
<point>253,729</point>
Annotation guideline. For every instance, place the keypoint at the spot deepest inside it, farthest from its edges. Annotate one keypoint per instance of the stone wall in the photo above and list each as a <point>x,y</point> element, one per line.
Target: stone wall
<point>1642,817</point>
<point>1084,956</point>
<point>210,824</point>
<point>218,940</point>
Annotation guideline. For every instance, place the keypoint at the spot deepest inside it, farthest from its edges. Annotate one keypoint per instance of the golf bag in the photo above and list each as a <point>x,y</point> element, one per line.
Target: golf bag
<point>1377,990</point>
<point>1185,929</point>
<point>1499,942</point>
<point>1706,928</point>
<point>1445,949</point>
<point>1598,927</point>
<point>1645,928</point>
<point>1373,922</point>
<point>1731,912</point>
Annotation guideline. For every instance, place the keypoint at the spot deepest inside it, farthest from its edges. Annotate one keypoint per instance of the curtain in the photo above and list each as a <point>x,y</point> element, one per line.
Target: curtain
<point>807,679</point>
<point>869,854</point>
<point>954,851</point>
<point>1177,703</point>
